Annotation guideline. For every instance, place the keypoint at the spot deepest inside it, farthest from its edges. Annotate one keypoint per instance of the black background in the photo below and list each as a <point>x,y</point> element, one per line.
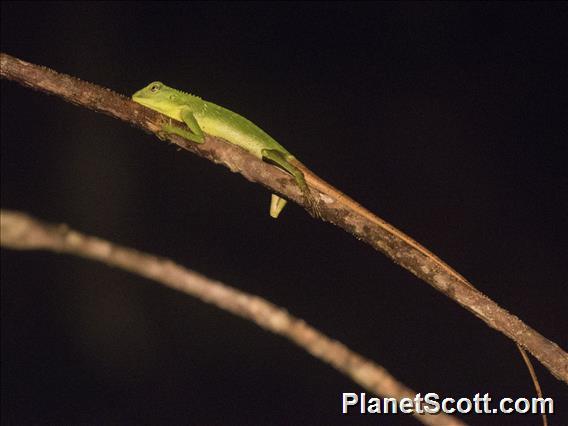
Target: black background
<point>449,120</point>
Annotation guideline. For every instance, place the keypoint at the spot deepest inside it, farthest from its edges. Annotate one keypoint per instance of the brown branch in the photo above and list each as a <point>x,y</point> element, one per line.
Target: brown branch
<point>400,251</point>
<point>21,232</point>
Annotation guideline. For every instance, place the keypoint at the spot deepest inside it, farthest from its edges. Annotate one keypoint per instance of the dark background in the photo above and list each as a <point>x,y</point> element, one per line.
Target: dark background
<point>449,120</point>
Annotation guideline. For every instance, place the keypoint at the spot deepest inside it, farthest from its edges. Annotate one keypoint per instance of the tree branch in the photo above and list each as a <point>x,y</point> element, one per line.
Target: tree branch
<point>21,232</point>
<point>381,238</point>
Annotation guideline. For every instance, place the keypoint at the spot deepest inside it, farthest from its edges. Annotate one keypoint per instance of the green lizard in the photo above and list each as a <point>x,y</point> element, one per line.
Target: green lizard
<point>201,116</point>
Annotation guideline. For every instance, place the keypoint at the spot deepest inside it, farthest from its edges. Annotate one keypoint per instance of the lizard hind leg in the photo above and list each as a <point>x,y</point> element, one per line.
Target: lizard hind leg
<point>280,160</point>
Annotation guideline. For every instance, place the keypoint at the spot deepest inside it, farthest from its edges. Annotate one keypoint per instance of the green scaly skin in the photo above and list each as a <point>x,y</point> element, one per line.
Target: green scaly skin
<point>206,117</point>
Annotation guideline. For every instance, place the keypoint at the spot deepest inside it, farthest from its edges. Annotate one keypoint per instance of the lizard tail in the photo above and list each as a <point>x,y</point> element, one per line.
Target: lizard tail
<point>342,199</point>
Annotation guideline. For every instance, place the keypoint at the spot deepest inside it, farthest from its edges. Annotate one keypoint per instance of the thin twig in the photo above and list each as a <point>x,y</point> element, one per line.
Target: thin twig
<point>537,388</point>
<point>21,232</point>
<point>400,251</point>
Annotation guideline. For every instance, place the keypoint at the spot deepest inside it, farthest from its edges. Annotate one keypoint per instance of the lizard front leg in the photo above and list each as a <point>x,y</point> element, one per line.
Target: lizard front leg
<point>196,135</point>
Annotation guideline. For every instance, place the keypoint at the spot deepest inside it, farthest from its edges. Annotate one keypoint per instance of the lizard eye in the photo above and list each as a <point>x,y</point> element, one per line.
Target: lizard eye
<point>154,88</point>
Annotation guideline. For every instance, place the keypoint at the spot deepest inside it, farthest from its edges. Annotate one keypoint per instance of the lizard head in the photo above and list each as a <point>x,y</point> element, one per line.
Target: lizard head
<point>153,92</point>
<point>156,95</point>
<point>164,99</point>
